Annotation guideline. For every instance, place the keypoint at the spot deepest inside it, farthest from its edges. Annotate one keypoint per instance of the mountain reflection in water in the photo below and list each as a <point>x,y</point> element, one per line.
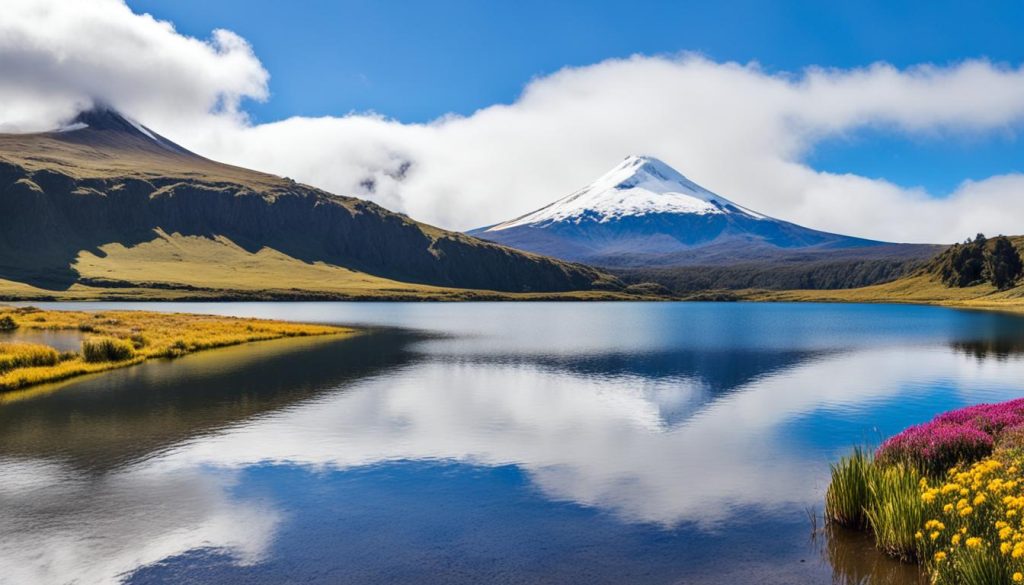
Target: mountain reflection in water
<point>533,443</point>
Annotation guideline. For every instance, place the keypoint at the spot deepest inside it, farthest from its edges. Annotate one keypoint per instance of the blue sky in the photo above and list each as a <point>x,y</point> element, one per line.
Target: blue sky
<point>415,61</point>
<point>892,121</point>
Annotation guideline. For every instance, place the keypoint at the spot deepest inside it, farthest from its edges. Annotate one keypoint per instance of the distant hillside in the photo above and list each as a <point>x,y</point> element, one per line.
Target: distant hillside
<point>932,283</point>
<point>644,217</point>
<point>820,271</point>
<point>105,204</point>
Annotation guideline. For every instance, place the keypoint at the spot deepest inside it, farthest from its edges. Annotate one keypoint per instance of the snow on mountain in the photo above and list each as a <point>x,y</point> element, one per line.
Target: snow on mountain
<point>645,213</point>
<point>639,185</point>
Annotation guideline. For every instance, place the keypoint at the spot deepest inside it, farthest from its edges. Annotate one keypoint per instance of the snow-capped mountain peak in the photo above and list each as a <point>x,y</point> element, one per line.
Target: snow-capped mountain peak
<point>638,186</point>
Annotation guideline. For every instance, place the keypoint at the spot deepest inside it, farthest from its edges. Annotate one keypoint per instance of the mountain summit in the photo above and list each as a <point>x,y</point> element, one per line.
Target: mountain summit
<point>638,186</point>
<point>644,212</point>
<point>103,124</point>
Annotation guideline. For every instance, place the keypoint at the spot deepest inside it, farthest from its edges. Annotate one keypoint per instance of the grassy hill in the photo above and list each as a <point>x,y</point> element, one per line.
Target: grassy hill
<point>111,209</point>
<point>922,286</point>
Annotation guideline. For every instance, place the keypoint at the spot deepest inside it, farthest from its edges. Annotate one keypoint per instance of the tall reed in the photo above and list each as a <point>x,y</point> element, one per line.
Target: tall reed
<point>895,510</point>
<point>849,490</point>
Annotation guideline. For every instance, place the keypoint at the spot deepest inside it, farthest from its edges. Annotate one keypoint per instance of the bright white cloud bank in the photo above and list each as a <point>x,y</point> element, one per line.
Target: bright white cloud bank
<point>734,128</point>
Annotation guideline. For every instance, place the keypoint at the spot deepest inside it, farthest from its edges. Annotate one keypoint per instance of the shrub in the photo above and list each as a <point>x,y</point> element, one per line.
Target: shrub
<point>1003,264</point>
<point>980,260</point>
<point>107,349</point>
<point>26,355</point>
<point>7,323</point>
<point>934,447</point>
<point>988,418</point>
<point>849,489</point>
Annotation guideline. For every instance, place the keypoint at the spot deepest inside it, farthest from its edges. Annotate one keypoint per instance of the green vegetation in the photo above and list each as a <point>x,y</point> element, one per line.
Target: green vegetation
<point>847,499</point>
<point>980,261</point>
<point>895,511</point>
<point>884,499</point>
<point>775,275</point>
<point>963,523</point>
<point>7,323</point>
<point>1003,264</point>
<point>122,338</point>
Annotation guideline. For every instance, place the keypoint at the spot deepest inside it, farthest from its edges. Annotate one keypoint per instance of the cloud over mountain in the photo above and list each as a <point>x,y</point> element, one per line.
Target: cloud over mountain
<point>738,129</point>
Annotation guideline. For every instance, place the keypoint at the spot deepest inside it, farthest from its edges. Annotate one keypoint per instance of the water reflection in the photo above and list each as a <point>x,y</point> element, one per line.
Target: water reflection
<point>616,449</point>
<point>539,444</point>
<point>59,526</point>
<point>855,560</point>
<point>61,340</point>
<point>117,417</point>
<point>1000,348</point>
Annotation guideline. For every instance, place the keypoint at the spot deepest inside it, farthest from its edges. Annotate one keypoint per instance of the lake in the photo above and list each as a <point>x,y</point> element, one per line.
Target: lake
<point>640,443</point>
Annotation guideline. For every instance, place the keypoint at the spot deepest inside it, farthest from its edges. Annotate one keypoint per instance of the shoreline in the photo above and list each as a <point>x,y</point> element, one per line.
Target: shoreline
<point>118,339</point>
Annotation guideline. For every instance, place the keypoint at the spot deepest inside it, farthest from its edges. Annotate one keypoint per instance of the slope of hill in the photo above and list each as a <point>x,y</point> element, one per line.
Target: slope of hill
<point>644,213</point>
<point>924,286</point>
<point>107,205</point>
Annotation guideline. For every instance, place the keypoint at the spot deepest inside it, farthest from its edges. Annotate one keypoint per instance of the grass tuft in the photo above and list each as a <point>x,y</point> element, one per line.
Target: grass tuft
<point>849,489</point>
<point>895,510</point>
<point>26,355</point>
<point>107,349</point>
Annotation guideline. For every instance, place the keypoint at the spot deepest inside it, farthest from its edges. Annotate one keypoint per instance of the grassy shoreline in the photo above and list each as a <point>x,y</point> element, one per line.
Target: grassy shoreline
<point>947,494</point>
<point>118,339</point>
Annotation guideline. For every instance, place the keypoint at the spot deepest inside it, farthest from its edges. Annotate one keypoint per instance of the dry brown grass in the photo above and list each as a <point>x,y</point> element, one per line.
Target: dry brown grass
<point>117,339</point>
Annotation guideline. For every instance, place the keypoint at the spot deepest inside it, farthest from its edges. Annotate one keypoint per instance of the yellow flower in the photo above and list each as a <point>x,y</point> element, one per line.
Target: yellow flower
<point>1018,577</point>
<point>933,535</point>
<point>979,499</point>
<point>974,542</point>
<point>955,539</point>
<point>948,508</point>
<point>1005,548</point>
<point>966,511</point>
<point>941,556</point>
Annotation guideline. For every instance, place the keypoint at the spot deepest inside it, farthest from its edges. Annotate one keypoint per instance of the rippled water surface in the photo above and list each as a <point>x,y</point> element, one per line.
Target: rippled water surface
<point>486,443</point>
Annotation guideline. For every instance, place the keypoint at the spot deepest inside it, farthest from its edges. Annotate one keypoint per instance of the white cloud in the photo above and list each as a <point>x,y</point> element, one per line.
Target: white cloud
<point>57,57</point>
<point>737,129</point>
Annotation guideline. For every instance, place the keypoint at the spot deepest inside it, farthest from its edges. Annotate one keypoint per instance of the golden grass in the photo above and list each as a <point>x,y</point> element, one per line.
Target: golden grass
<point>177,267</point>
<point>117,339</point>
<point>23,355</point>
<point>917,289</point>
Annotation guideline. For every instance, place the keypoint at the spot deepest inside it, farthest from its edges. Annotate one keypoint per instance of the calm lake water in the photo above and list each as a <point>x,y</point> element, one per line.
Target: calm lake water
<point>486,443</point>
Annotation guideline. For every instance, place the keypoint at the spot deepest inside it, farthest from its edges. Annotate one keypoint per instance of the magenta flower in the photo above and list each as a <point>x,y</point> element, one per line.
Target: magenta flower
<point>957,436</point>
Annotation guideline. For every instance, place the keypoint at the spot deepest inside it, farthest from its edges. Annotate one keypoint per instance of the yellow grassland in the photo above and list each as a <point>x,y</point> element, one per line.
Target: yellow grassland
<point>178,267</point>
<point>152,335</point>
<point>918,289</point>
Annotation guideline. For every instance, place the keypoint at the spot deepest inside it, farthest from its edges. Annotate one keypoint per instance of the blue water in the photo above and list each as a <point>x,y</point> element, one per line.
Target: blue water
<point>487,443</point>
